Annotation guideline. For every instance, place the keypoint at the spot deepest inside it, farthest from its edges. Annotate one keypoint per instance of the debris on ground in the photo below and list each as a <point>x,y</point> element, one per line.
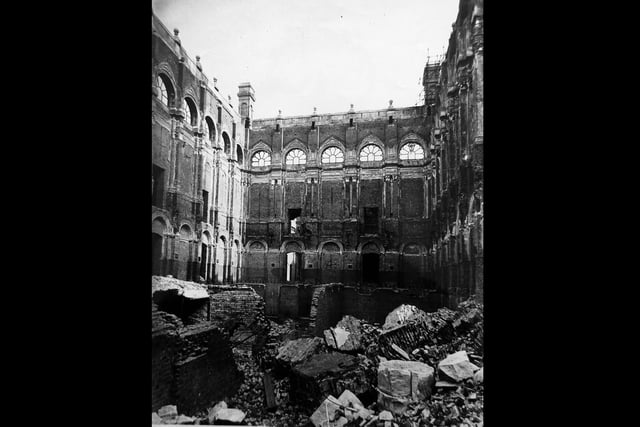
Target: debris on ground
<point>457,367</point>
<point>347,335</point>
<point>402,382</point>
<point>419,369</point>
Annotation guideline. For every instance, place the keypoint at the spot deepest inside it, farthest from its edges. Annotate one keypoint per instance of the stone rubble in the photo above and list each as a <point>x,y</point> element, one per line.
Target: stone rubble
<point>440,384</point>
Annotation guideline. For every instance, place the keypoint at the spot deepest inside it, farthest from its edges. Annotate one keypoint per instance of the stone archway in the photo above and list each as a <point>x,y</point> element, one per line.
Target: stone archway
<point>330,263</point>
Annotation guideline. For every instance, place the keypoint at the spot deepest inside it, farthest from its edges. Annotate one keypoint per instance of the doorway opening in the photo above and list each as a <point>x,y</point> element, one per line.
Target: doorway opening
<point>294,266</point>
<point>370,269</point>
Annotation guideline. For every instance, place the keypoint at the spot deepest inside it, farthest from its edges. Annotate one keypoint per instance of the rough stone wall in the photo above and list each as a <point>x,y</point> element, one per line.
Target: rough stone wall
<point>205,371</point>
<point>191,367</point>
<point>240,310</point>
<point>164,348</point>
<point>455,241</point>
<point>198,177</point>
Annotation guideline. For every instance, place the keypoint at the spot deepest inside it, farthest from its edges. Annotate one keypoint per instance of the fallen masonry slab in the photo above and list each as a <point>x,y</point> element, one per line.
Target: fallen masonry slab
<point>229,416</point>
<point>347,335</point>
<point>401,382</point>
<point>328,414</point>
<point>327,374</point>
<point>212,412</point>
<point>457,367</point>
<point>402,315</point>
<point>297,351</point>
<point>168,411</point>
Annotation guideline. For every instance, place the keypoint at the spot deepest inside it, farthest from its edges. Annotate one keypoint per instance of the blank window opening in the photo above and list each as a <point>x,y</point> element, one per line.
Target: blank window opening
<point>294,221</point>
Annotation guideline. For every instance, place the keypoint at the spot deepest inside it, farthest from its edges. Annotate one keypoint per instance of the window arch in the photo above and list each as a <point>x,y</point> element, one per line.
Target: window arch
<point>190,112</point>
<point>209,130</point>
<point>370,153</point>
<point>332,155</point>
<point>261,158</point>
<point>239,155</point>
<point>227,143</point>
<point>296,157</point>
<point>165,89</point>
<point>411,151</point>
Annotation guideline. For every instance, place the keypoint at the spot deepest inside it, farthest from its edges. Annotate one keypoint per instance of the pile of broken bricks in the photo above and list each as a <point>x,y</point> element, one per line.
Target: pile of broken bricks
<point>417,369</point>
<point>411,392</point>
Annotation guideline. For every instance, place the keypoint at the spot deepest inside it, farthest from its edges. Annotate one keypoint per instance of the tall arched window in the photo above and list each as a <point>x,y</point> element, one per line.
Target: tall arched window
<point>162,91</point>
<point>411,151</point>
<point>239,155</point>
<point>190,113</point>
<point>371,153</point>
<point>165,89</point>
<point>209,130</point>
<point>296,157</point>
<point>227,143</point>
<point>332,155</point>
<point>261,158</point>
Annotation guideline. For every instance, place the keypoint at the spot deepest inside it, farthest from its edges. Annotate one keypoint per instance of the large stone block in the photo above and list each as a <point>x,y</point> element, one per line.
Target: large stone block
<point>297,351</point>
<point>327,374</point>
<point>346,336</point>
<point>457,366</point>
<point>401,382</point>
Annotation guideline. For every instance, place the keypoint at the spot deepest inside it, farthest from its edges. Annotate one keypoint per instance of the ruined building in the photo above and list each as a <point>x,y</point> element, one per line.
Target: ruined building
<point>386,202</point>
<point>199,142</point>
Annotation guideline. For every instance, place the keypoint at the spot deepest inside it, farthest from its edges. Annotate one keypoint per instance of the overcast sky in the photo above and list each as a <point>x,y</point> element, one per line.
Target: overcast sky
<point>300,54</point>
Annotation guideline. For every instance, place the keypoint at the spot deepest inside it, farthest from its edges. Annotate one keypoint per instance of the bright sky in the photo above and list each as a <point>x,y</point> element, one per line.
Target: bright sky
<point>300,54</point>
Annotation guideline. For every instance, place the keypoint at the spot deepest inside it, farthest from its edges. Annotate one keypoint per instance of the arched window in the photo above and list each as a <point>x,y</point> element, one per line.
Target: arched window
<point>227,143</point>
<point>190,113</point>
<point>296,157</point>
<point>370,153</point>
<point>411,151</point>
<point>209,130</point>
<point>165,90</point>
<point>332,155</point>
<point>239,155</point>
<point>162,91</point>
<point>261,158</point>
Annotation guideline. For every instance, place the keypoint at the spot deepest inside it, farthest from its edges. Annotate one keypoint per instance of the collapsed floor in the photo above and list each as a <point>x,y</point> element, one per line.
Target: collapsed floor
<point>416,369</point>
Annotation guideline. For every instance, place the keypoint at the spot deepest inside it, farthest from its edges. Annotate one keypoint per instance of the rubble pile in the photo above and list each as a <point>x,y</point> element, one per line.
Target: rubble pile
<point>418,369</point>
<point>428,369</point>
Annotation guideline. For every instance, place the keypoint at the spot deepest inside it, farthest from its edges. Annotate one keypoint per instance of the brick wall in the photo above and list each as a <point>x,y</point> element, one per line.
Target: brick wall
<point>205,371</point>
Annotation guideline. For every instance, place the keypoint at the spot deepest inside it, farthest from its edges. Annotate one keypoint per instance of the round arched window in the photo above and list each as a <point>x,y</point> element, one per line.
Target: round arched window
<point>209,130</point>
<point>187,111</point>
<point>332,155</point>
<point>162,91</point>
<point>296,157</point>
<point>371,153</point>
<point>411,151</point>
<point>261,158</point>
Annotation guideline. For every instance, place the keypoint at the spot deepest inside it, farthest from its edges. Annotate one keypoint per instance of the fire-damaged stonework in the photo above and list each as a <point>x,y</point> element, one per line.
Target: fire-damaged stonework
<point>324,269</point>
